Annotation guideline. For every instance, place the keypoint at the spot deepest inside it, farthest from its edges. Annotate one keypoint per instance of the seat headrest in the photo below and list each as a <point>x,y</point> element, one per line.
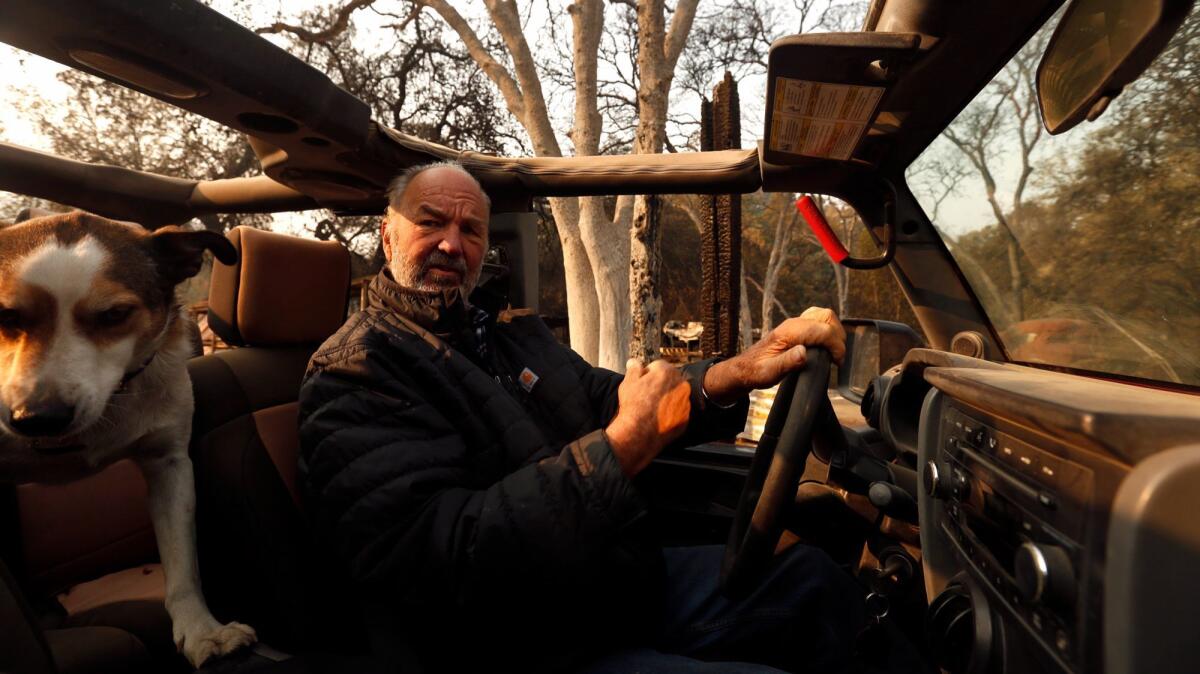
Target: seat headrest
<point>282,290</point>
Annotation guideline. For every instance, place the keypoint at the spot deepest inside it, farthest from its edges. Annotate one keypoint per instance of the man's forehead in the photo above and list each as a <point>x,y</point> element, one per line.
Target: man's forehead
<point>444,199</point>
<point>436,194</point>
<point>444,178</point>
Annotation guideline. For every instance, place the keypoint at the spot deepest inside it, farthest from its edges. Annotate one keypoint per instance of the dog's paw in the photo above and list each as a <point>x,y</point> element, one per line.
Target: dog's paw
<point>200,645</point>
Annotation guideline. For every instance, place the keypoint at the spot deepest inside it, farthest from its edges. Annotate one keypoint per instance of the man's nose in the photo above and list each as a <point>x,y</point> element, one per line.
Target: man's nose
<point>451,243</point>
<point>42,418</point>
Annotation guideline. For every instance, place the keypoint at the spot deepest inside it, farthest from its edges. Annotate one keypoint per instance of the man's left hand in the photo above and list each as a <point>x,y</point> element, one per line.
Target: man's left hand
<point>781,351</point>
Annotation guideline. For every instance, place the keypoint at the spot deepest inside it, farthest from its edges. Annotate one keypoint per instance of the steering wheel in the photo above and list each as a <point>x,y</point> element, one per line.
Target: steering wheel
<point>801,413</point>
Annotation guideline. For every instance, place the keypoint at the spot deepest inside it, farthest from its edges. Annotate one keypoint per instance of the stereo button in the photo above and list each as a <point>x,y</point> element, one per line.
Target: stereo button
<point>1062,641</point>
<point>978,437</point>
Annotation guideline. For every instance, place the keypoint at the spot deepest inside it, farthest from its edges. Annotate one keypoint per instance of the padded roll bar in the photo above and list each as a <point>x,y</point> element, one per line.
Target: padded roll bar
<point>724,172</point>
<point>147,198</point>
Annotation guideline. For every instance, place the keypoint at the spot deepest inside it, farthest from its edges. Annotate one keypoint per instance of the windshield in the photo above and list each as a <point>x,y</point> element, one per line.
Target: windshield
<point>1083,248</point>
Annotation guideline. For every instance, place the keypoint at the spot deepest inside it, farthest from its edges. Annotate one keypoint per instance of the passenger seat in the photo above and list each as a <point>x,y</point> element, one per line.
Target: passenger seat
<point>258,563</point>
<point>90,542</point>
<point>86,559</point>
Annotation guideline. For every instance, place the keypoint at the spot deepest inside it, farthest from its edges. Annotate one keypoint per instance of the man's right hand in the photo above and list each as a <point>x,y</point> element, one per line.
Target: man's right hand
<point>655,404</point>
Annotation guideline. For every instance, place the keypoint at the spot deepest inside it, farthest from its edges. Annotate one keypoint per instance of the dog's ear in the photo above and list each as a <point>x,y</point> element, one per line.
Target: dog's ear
<point>179,252</point>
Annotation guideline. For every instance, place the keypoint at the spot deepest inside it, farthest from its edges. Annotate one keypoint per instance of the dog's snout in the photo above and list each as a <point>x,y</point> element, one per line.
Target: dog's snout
<point>42,419</point>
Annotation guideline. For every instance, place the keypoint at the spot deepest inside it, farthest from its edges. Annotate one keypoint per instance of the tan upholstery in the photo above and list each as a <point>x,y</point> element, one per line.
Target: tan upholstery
<point>85,529</point>
<point>91,543</point>
<point>278,428</point>
<point>140,583</point>
<point>130,600</point>
<point>283,290</point>
<point>258,562</point>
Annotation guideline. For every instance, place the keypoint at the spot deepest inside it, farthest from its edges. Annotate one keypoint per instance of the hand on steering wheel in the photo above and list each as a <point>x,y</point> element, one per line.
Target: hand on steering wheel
<point>801,409</point>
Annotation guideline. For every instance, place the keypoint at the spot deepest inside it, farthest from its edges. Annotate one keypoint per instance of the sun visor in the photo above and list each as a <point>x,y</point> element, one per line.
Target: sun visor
<point>824,92</point>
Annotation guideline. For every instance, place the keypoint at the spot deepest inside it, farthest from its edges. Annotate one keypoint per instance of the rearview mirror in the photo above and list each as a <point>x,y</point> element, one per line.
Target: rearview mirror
<point>1098,48</point>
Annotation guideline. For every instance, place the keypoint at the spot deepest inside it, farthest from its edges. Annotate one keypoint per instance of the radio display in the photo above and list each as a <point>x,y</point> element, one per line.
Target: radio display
<point>995,530</point>
<point>995,523</point>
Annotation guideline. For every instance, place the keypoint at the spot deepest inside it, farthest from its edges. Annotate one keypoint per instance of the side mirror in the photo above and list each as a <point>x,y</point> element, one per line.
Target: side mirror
<point>872,348</point>
<point>1098,48</point>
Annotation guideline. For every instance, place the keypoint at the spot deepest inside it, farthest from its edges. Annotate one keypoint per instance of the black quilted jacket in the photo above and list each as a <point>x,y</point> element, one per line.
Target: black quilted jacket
<point>470,509</point>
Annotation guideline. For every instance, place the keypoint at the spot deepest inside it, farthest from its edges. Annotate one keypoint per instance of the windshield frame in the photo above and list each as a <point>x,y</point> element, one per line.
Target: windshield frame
<point>988,320</point>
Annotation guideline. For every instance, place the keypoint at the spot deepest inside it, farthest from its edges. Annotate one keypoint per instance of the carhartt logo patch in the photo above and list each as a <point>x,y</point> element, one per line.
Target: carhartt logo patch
<point>527,379</point>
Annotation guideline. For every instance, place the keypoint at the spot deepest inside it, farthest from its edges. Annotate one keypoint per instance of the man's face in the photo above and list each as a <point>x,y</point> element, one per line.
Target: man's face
<point>436,239</point>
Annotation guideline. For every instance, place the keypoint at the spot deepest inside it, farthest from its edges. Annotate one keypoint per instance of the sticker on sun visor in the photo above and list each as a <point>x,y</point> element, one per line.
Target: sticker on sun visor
<point>818,119</point>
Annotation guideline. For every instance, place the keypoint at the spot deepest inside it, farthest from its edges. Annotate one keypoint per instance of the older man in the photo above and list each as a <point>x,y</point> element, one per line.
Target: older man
<point>476,477</point>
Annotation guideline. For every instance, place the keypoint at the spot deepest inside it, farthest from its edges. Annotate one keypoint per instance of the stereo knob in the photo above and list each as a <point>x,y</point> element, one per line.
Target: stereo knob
<point>943,481</point>
<point>1044,574</point>
<point>936,482</point>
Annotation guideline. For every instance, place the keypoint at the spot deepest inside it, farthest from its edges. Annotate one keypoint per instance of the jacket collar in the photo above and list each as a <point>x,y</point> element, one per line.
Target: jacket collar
<point>440,313</point>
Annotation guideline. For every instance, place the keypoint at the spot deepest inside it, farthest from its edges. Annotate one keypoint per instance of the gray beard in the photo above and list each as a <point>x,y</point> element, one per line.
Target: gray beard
<point>411,276</point>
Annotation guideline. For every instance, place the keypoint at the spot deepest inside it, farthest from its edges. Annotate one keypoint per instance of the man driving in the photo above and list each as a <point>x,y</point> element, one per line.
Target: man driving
<point>478,479</point>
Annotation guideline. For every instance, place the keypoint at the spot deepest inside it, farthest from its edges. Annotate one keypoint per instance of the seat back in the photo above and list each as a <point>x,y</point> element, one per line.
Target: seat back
<point>81,530</point>
<point>258,563</point>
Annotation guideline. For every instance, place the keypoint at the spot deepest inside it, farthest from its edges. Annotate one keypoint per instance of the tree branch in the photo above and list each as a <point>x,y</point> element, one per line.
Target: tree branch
<point>587,23</point>
<point>775,300</point>
<point>340,23</point>
<point>677,34</point>
<point>535,117</point>
<point>513,96</point>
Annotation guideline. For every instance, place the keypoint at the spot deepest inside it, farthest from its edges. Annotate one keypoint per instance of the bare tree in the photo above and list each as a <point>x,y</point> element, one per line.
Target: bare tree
<point>999,126</point>
<point>786,219</point>
<point>745,321</point>
<point>736,35</point>
<point>425,84</point>
<point>658,53</point>
<point>596,252</point>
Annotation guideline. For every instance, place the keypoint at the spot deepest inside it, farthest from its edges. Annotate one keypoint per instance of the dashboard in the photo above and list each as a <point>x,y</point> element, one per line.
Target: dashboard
<point>1059,515</point>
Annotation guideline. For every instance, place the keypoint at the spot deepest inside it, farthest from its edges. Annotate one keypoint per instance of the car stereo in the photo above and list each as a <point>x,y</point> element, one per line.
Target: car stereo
<point>1017,517</point>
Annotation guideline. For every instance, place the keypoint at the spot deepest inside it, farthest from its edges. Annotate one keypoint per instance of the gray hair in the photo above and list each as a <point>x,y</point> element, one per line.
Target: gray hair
<point>399,184</point>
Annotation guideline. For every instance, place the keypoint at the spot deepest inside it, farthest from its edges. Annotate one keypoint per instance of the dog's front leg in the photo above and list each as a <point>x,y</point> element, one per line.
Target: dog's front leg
<point>197,633</point>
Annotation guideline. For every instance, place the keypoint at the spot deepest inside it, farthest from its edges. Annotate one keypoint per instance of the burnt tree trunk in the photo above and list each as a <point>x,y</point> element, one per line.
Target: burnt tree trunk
<point>721,239</point>
<point>644,275</point>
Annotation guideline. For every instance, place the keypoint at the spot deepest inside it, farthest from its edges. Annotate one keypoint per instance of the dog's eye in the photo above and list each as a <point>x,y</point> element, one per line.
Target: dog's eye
<point>114,316</point>
<point>10,319</point>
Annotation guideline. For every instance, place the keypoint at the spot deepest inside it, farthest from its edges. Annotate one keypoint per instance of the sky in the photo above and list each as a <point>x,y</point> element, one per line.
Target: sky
<point>29,74</point>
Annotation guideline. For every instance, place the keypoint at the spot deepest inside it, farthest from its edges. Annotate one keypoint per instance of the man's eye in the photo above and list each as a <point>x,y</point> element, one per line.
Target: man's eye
<point>428,223</point>
<point>10,319</point>
<point>114,316</point>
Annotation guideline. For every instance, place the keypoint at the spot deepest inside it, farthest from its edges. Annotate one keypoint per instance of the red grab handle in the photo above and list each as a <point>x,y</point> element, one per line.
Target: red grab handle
<point>820,227</point>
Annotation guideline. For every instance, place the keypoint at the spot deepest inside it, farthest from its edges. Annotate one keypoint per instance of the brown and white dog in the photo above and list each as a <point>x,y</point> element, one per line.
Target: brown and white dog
<point>93,352</point>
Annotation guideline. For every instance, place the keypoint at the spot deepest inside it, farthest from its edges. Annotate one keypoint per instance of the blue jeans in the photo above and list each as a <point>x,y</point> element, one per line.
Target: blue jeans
<point>802,618</point>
